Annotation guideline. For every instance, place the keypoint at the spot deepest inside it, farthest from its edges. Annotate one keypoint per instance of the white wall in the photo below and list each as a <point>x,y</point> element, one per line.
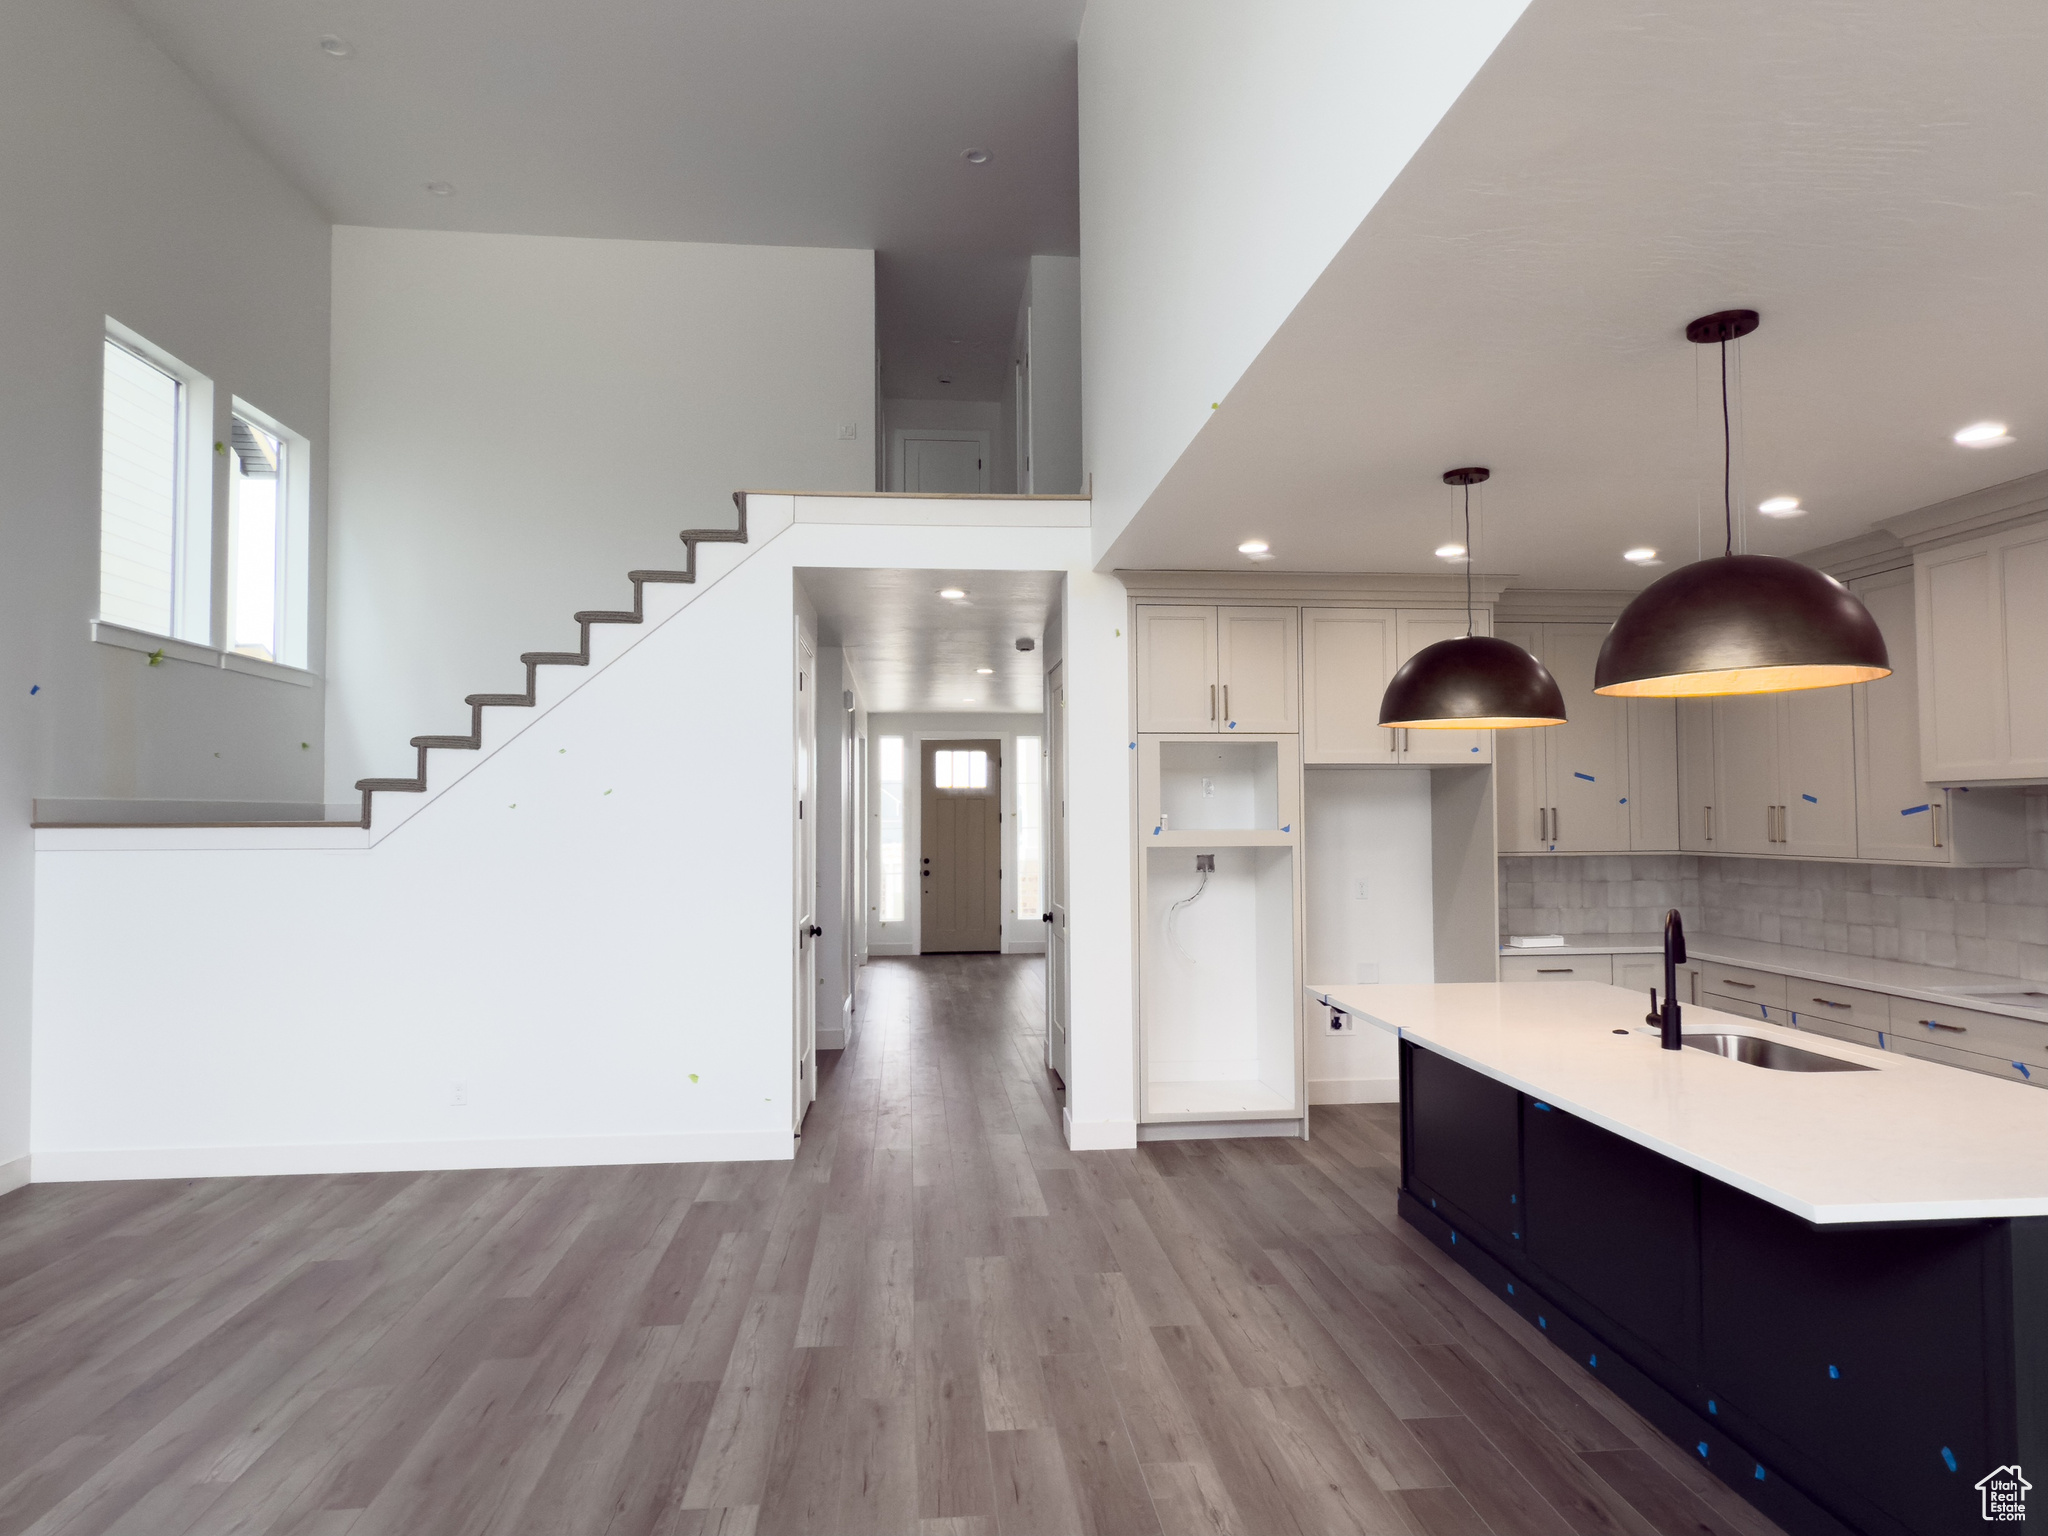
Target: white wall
<point>576,921</point>
<point>1053,298</point>
<point>1369,825</point>
<point>1227,151</point>
<point>123,192</point>
<point>519,421</point>
<point>946,416</point>
<point>1019,936</point>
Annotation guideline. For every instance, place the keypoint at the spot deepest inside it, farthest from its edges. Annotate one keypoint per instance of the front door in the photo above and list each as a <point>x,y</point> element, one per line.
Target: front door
<point>960,877</point>
<point>804,1084</point>
<point>1056,871</point>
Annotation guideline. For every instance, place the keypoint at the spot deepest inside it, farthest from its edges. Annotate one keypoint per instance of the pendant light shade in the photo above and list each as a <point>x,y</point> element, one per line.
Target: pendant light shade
<point>1475,682</point>
<point>1738,623</point>
<point>1472,683</point>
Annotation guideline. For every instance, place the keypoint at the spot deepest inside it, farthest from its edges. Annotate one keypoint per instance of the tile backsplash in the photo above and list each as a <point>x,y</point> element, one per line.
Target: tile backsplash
<point>1992,920</point>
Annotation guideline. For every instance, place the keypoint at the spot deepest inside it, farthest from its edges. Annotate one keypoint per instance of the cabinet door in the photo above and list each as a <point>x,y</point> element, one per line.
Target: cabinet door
<point>1895,815</point>
<point>1419,628</point>
<point>1256,653</point>
<point>1589,752</point>
<point>1695,720</point>
<point>1176,669</point>
<point>1653,775</point>
<point>1963,732</point>
<point>2023,603</point>
<point>1520,783</point>
<point>1817,774</point>
<point>1745,773</point>
<point>1347,657</point>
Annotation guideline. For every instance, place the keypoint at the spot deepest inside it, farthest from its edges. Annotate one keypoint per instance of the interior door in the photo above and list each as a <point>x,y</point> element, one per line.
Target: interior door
<point>1176,668</point>
<point>1745,773</point>
<point>1416,630</point>
<point>1256,651</point>
<point>960,877</point>
<point>1589,753</point>
<point>804,1085</point>
<point>948,463</point>
<point>1056,1052</point>
<point>1347,655</point>
<point>1520,775</point>
<point>1817,774</point>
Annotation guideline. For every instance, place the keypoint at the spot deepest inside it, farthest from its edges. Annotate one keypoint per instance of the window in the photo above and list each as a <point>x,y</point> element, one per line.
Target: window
<point>1030,828</point>
<point>142,431</point>
<point>889,773</point>
<point>267,565</point>
<point>961,769</point>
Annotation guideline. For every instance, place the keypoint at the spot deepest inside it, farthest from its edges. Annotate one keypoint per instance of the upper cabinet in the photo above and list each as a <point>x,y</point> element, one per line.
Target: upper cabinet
<point>1982,649</point>
<point>1348,656</point>
<point>1783,776</point>
<point>1568,788</point>
<point>1204,669</point>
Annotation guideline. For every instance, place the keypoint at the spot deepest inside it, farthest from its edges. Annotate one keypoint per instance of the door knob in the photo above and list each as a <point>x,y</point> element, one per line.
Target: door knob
<point>815,931</point>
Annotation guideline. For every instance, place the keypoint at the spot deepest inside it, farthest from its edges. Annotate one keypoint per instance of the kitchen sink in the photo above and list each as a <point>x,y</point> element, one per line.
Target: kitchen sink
<point>1770,1054</point>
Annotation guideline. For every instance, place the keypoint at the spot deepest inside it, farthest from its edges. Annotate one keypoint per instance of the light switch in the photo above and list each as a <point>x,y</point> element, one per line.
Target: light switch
<point>849,432</point>
<point>1358,889</point>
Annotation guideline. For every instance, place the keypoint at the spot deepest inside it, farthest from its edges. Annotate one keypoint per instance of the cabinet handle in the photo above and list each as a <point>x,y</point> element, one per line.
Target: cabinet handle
<point>1542,824</point>
<point>1553,970</point>
<point>1947,1029</point>
<point>1710,823</point>
<point>1935,818</point>
<point>1226,701</point>
<point>1553,823</point>
<point>1730,981</point>
<point>1212,703</point>
<point>1828,1002</point>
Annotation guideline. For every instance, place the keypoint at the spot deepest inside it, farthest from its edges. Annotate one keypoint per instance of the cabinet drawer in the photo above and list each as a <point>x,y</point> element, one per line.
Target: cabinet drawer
<point>1966,1029</point>
<point>1598,968</point>
<point>1839,1028</point>
<point>2017,1071</point>
<point>1640,972</point>
<point>1741,981</point>
<point>1741,1007</point>
<point>1814,1002</point>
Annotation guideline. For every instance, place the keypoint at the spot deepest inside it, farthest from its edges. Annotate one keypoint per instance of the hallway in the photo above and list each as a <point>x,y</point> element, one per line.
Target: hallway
<point>935,1320</point>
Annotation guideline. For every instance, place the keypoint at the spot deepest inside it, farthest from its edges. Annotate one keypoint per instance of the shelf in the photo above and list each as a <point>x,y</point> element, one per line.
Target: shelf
<point>1218,1100</point>
<point>1160,837</point>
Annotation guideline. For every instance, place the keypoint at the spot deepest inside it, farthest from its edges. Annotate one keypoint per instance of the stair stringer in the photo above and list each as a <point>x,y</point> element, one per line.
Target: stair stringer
<point>497,720</point>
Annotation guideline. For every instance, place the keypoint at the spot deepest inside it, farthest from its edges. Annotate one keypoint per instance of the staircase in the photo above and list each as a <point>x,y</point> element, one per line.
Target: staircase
<point>479,702</point>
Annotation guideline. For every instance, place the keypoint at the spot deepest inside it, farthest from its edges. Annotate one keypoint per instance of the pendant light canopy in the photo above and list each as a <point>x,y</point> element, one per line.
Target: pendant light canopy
<point>1738,623</point>
<point>1475,682</point>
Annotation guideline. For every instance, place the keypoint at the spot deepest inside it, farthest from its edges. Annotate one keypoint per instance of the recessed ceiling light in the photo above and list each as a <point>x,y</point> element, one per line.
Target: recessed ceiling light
<point>951,594</point>
<point>952,341</point>
<point>1642,554</point>
<point>1780,506</point>
<point>967,701</point>
<point>975,156</point>
<point>441,188</point>
<point>985,671</point>
<point>1253,547</point>
<point>335,47</point>
<point>1984,434</point>
<point>945,378</point>
<point>1450,551</point>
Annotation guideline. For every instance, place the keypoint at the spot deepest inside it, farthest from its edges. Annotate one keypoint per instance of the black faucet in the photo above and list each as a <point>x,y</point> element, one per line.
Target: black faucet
<point>1666,1018</point>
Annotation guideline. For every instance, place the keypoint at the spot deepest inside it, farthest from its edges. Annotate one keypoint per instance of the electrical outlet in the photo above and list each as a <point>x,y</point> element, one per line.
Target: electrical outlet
<point>1358,889</point>
<point>1340,1023</point>
<point>1205,861</point>
<point>458,1097</point>
<point>1208,787</point>
<point>849,432</point>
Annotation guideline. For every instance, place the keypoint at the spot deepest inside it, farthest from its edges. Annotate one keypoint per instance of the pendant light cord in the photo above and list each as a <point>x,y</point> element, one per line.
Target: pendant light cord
<point>1727,459</point>
<point>1468,559</point>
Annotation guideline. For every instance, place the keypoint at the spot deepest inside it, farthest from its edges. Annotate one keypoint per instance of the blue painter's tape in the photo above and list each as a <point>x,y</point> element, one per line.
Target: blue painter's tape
<point>1913,810</point>
<point>2021,1068</point>
<point>1713,1407</point>
<point>1542,1106</point>
<point>1586,776</point>
<point>1288,828</point>
<point>1233,725</point>
<point>36,688</point>
<point>1155,831</point>
<point>1454,1239</point>
<point>1543,1323</point>
<point>1511,1287</point>
<point>1134,746</point>
<point>1516,1236</point>
<point>1702,1448</point>
<point>1759,1471</point>
<point>1834,1373</point>
<point>1593,1362</point>
<point>1949,1457</point>
<point>1432,1205</point>
<point>1624,799</point>
<point>1514,1199</point>
<point>1810,799</point>
<point>1475,749</point>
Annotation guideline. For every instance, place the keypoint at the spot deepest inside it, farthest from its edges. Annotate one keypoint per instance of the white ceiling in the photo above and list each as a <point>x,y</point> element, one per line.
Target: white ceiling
<point>917,652</point>
<point>806,122</point>
<point>1868,176</point>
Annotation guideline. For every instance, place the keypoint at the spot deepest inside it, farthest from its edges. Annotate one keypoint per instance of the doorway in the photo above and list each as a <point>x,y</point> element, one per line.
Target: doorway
<point>1056,871</point>
<point>946,462</point>
<point>804,1086</point>
<point>960,877</point>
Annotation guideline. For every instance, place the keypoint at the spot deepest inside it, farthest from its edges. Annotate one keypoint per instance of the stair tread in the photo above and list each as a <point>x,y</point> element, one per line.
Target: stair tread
<point>683,576</point>
<point>608,616</point>
<point>415,785</point>
<point>556,658</point>
<point>469,742</point>
<point>506,699</point>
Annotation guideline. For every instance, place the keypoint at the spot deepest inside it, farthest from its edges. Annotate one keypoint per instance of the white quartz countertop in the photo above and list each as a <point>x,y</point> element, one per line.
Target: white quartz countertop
<point>1922,983</point>
<point>1909,1140</point>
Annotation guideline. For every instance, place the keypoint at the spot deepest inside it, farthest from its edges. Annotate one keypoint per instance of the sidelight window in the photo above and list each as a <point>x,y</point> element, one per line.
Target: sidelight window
<point>889,815</point>
<point>1030,823</point>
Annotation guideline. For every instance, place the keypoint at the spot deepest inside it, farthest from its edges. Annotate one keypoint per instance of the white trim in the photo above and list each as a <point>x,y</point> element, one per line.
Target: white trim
<point>106,632</point>
<point>1354,1090</point>
<point>84,1164</point>
<point>1100,1135</point>
<point>1023,946</point>
<point>886,948</point>
<point>909,509</point>
<point>13,1174</point>
<point>144,838</point>
<point>192,529</point>
<point>1217,1130</point>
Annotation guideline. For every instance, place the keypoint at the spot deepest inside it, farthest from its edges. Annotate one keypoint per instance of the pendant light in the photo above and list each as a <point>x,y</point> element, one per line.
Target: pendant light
<point>1738,623</point>
<point>1475,682</point>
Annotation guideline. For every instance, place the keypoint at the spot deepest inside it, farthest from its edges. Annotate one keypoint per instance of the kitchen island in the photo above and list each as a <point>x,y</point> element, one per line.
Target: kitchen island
<point>1831,1285</point>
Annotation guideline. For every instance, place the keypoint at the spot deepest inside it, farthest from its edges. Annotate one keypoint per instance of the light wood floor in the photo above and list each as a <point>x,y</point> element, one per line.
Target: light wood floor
<point>935,1321</point>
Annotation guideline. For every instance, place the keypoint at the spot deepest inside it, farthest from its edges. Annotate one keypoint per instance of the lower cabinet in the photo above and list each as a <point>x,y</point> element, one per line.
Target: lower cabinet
<point>1541,967</point>
<point>1464,1136</point>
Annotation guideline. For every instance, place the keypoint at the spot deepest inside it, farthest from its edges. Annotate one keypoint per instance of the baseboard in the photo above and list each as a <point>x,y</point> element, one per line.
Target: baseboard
<point>830,1039</point>
<point>1023,946</point>
<point>890,948</point>
<point>88,1164</point>
<point>1098,1135</point>
<point>1354,1090</point>
<point>13,1174</point>
<point>1217,1130</point>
